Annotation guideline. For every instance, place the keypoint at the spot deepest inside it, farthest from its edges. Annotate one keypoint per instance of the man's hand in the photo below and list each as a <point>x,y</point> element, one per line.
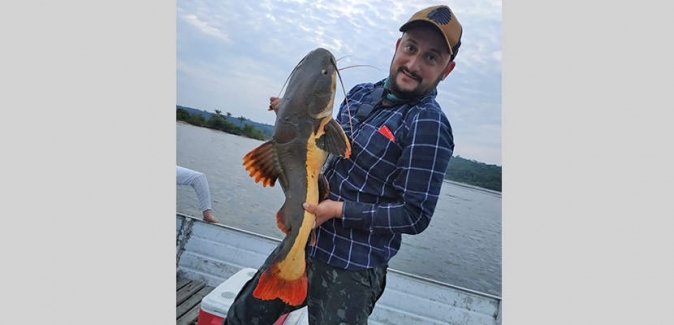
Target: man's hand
<point>325,210</point>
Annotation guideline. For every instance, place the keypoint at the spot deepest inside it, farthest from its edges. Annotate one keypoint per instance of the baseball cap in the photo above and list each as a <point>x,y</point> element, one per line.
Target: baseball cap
<point>444,19</point>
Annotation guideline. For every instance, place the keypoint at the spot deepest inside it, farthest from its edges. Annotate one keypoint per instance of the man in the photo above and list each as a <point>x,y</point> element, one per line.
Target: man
<point>401,144</point>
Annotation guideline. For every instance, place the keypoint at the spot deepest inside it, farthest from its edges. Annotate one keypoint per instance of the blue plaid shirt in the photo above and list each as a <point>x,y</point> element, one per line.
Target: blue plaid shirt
<point>389,187</point>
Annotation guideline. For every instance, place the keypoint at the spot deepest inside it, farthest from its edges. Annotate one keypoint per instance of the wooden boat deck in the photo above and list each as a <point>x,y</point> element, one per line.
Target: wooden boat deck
<point>188,299</point>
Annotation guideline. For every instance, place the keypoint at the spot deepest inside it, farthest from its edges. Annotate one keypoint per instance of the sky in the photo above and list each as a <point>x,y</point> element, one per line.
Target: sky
<point>233,55</point>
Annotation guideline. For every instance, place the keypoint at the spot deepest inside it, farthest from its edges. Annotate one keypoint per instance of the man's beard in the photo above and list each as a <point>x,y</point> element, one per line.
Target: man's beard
<point>417,92</point>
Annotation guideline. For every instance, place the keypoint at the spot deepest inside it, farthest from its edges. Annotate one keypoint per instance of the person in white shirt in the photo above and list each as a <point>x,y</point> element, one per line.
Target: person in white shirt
<point>197,180</point>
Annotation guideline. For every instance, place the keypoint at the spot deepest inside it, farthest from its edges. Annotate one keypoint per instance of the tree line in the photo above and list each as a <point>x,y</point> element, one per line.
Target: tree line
<point>460,170</point>
<point>221,122</point>
<point>474,173</point>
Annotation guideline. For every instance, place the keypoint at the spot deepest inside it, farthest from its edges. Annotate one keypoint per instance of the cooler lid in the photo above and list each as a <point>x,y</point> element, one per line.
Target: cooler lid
<point>217,302</point>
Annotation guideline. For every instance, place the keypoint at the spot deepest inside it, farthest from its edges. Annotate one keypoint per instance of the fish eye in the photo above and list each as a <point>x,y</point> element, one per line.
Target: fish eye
<point>324,71</point>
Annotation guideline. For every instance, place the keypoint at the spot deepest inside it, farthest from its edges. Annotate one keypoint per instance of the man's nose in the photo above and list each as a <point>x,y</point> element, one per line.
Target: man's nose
<point>414,63</point>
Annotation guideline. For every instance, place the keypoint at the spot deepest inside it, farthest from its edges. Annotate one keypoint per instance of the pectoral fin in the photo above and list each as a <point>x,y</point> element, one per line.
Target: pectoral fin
<point>261,165</point>
<point>334,141</point>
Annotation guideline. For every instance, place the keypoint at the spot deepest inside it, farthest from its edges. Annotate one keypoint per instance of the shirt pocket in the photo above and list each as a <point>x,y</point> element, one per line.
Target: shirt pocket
<point>375,152</point>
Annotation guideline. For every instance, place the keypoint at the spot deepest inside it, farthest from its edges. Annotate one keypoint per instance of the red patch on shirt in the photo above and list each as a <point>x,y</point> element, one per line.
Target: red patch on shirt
<point>386,132</point>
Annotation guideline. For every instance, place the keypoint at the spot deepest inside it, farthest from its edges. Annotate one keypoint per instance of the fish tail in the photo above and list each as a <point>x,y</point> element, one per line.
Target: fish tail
<point>272,285</point>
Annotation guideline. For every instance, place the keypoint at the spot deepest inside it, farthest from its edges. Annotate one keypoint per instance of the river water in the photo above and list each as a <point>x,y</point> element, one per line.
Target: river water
<point>461,246</point>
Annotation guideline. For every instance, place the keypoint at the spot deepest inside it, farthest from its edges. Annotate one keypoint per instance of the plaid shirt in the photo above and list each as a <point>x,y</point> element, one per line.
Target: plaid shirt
<point>389,186</point>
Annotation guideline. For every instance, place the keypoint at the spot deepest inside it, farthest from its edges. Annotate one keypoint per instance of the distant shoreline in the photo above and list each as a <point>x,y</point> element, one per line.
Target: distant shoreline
<point>488,190</point>
<point>473,187</point>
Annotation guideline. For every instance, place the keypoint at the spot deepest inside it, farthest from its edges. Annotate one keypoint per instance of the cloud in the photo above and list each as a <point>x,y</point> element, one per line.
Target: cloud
<point>204,27</point>
<point>496,55</point>
<point>236,54</point>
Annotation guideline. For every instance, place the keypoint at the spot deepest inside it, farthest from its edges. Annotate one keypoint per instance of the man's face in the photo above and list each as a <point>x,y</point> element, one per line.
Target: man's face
<point>420,62</point>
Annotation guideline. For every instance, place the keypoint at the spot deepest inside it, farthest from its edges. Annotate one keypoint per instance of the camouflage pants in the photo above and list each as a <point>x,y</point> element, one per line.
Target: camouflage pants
<point>335,297</point>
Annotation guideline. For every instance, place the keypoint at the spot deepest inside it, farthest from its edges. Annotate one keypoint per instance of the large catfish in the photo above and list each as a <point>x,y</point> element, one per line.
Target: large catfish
<point>304,135</point>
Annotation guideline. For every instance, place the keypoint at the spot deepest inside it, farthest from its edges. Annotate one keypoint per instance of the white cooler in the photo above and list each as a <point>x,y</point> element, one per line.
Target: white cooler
<point>215,305</point>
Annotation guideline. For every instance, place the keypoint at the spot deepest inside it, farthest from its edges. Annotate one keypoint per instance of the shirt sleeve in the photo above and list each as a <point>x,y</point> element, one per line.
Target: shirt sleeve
<point>428,147</point>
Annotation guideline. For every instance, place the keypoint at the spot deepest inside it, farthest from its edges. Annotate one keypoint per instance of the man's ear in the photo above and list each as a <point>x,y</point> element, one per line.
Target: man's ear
<point>448,69</point>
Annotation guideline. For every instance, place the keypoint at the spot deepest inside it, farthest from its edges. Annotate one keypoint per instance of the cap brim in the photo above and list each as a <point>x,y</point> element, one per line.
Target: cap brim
<point>410,23</point>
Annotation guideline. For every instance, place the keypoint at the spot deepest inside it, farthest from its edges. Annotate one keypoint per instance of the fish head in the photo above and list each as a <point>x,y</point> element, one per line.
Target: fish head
<point>312,85</point>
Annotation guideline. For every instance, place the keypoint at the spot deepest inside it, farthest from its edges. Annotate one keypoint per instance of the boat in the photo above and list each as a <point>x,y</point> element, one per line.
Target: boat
<point>208,255</point>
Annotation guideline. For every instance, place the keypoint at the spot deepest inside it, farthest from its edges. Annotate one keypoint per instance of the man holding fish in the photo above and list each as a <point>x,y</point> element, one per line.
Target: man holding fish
<point>384,177</point>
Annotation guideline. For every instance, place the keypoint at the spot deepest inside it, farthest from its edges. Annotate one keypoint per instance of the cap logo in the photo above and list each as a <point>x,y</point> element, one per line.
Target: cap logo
<point>440,15</point>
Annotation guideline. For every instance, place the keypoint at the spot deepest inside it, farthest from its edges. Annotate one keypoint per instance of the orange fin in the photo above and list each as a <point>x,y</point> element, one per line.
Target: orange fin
<point>334,140</point>
<point>281,222</point>
<point>261,165</point>
<point>271,286</point>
